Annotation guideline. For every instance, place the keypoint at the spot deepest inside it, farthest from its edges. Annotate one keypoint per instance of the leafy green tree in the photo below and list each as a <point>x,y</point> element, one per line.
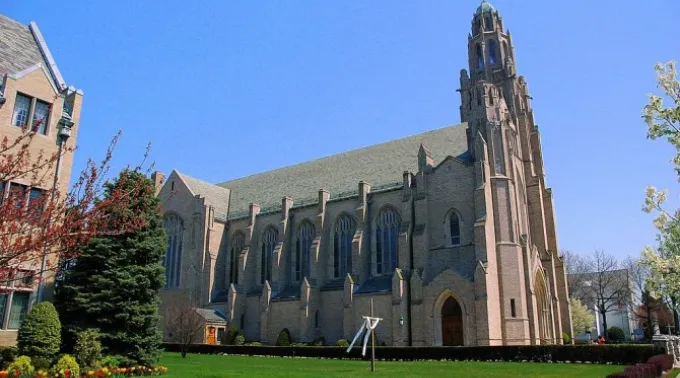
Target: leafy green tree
<point>40,334</point>
<point>113,286</point>
<point>664,123</point>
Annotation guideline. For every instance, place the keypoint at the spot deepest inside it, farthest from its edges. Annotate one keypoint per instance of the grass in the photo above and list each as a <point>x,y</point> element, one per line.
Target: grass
<point>217,366</point>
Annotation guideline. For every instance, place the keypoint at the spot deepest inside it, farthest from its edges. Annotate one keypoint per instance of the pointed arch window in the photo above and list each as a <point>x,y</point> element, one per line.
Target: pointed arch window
<point>303,246</point>
<point>488,23</point>
<point>480,56</point>
<point>492,51</point>
<point>174,230</point>
<point>387,240</point>
<point>454,228</point>
<point>505,50</point>
<point>237,243</point>
<point>269,240</point>
<point>491,95</point>
<point>342,245</point>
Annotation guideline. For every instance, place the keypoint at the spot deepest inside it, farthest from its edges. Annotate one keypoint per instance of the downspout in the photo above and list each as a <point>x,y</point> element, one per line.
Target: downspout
<point>64,134</point>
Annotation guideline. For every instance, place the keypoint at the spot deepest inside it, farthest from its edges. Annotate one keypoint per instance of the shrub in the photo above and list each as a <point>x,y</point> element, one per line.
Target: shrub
<point>319,341</point>
<point>40,332</point>
<point>41,363</point>
<point>230,336</point>
<point>8,354</point>
<point>239,340</point>
<point>22,364</point>
<point>88,349</point>
<point>342,343</point>
<point>67,362</point>
<point>111,361</point>
<point>566,339</point>
<point>256,344</point>
<point>284,338</point>
<point>615,335</point>
<point>663,362</point>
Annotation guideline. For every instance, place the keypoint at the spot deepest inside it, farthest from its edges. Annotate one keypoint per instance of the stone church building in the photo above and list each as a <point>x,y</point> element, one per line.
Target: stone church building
<point>451,233</point>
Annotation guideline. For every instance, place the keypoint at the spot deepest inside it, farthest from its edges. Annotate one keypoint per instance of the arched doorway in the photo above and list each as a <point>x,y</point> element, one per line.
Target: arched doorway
<point>452,323</point>
<point>542,308</point>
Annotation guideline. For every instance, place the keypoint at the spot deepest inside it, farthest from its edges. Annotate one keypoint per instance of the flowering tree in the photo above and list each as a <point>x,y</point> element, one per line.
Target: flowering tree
<point>582,318</point>
<point>39,228</point>
<point>664,123</point>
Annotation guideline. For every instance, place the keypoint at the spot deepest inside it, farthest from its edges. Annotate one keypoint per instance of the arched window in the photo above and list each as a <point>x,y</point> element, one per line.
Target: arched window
<point>480,57</point>
<point>342,246</point>
<point>491,95</point>
<point>454,228</point>
<point>303,244</point>
<point>492,51</point>
<point>269,240</point>
<point>237,242</point>
<point>488,23</point>
<point>386,240</point>
<point>174,230</point>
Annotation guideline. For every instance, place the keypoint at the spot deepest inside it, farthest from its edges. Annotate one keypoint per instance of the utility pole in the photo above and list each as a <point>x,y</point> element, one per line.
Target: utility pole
<point>372,342</point>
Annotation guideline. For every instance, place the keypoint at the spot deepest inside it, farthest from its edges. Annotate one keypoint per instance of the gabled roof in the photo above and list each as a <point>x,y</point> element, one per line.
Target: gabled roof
<point>216,196</point>
<point>211,315</point>
<point>22,47</point>
<point>379,165</point>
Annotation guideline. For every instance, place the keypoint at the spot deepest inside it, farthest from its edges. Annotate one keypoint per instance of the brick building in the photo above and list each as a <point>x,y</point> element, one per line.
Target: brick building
<point>451,232</point>
<point>32,89</point>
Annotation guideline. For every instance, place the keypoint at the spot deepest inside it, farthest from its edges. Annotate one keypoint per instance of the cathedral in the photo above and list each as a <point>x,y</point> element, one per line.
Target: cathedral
<point>450,234</point>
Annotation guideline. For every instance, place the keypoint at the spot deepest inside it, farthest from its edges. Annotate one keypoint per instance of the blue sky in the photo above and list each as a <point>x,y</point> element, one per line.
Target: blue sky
<point>232,88</point>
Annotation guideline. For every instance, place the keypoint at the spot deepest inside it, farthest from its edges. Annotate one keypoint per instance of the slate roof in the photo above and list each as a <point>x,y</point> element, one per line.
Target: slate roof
<point>19,49</point>
<point>380,164</point>
<point>379,284</point>
<point>213,194</point>
<point>211,315</point>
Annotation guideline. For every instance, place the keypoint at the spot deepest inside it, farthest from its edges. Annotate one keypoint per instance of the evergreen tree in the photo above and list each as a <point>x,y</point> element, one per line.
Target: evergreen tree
<point>40,333</point>
<point>113,286</point>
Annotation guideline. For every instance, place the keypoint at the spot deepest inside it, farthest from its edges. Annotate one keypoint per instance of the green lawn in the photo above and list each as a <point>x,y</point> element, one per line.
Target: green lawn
<point>214,366</point>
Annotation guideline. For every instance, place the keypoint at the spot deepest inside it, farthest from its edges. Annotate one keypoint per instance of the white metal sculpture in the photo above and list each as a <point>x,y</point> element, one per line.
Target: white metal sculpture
<point>368,325</point>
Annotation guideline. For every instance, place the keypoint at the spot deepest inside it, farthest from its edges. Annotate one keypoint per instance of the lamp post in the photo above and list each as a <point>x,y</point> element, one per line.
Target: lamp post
<point>401,320</point>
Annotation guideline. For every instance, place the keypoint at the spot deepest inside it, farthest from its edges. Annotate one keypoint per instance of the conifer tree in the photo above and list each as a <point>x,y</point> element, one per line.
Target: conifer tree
<point>113,286</point>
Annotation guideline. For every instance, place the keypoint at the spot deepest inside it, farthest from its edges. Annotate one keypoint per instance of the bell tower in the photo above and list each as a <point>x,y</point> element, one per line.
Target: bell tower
<point>496,105</point>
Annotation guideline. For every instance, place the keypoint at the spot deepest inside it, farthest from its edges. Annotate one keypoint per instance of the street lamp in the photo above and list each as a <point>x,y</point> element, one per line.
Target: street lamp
<point>401,320</point>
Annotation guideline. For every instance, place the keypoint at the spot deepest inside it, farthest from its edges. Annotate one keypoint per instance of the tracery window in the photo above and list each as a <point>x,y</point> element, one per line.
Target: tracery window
<point>342,245</point>
<point>237,243</point>
<point>387,240</point>
<point>269,240</point>
<point>174,229</point>
<point>303,245</point>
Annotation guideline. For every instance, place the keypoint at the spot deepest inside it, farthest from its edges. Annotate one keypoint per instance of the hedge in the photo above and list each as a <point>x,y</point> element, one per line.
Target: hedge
<point>621,354</point>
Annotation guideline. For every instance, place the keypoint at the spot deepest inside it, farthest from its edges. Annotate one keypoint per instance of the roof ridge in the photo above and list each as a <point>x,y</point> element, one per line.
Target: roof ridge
<point>340,153</point>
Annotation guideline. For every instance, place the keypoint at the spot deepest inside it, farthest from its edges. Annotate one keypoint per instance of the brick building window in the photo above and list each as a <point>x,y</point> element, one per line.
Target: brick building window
<point>269,240</point>
<point>387,240</point>
<point>28,108</point>
<point>342,245</point>
<point>303,245</point>
<point>15,298</point>
<point>22,107</point>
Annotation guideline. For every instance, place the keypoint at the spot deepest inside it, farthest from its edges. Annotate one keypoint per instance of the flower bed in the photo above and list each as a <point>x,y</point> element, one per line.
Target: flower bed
<point>103,372</point>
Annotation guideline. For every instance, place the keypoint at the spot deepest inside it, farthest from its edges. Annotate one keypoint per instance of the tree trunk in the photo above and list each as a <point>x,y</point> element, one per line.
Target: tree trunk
<point>604,324</point>
<point>184,351</point>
